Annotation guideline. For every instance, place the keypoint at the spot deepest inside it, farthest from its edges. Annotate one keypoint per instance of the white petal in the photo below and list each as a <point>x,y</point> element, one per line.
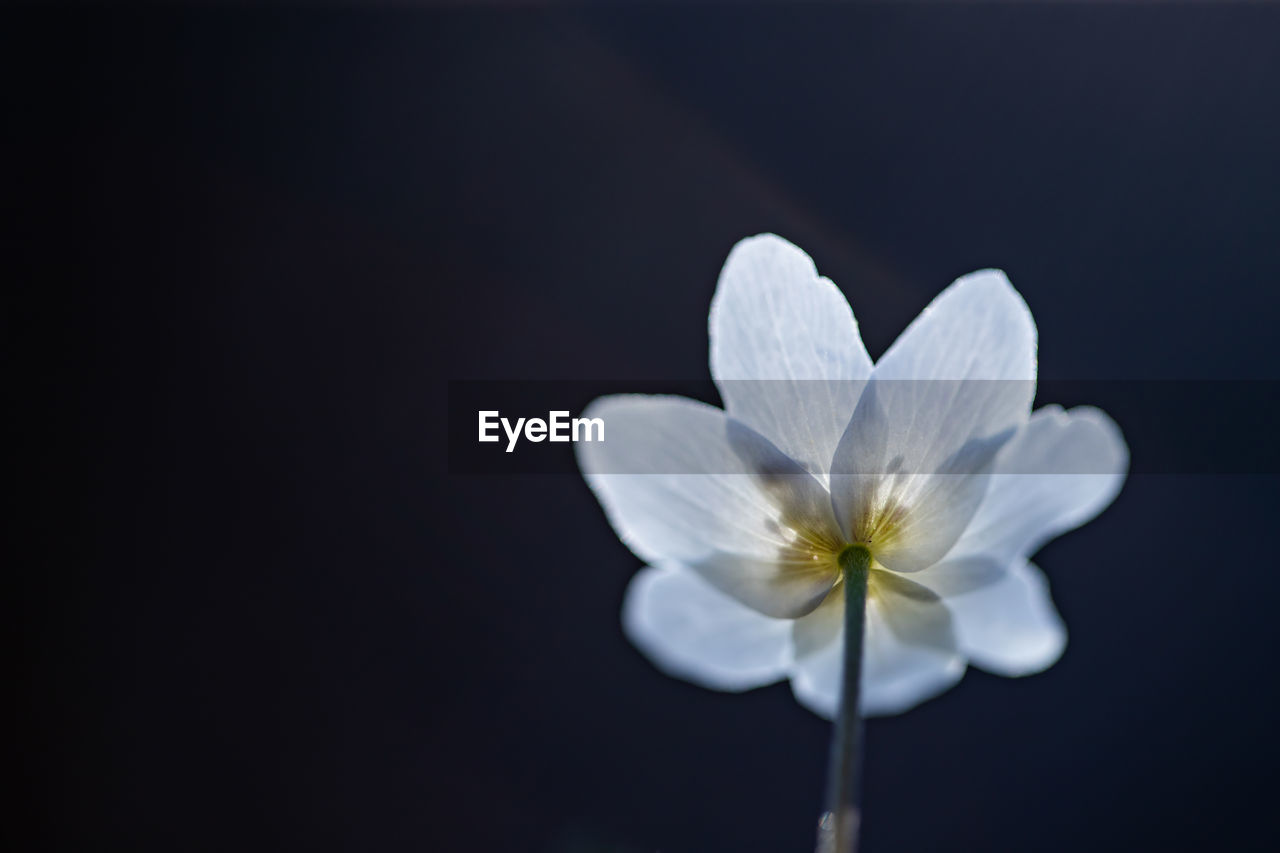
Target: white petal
<point>670,481</point>
<point>1011,627</point>
<point>956,576</point>
<point>978,328</point>
<point>946,396</point>
<point>915,614</point>
<point>786,586</point>
<point>815,678</point>
<point>785,349</point>
<point>692,631</point>
<point>682,483</point>
<point>909,651</point>
<point>900,482</point>
<point>963,370</point>
<point>1060,470</point>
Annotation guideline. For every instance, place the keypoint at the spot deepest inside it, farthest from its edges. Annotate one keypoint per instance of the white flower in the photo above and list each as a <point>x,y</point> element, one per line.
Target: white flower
<point>931,459</point>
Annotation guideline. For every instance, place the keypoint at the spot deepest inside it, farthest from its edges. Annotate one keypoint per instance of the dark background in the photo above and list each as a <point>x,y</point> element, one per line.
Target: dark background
<point>249,249</point>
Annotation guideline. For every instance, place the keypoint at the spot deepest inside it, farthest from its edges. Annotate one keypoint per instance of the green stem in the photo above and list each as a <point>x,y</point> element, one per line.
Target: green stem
<point>838,831</point>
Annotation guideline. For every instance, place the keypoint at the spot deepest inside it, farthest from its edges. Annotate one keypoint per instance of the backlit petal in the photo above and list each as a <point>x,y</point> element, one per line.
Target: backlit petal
<point>978,328</point>
<point>892,490</point>
<point>909,652</point>
<point>785,349</point>
<point>1011,627</point>
<point>1060,470</point>
<point>683,483</point>
<point>942,401</point>
<point>692,631</point>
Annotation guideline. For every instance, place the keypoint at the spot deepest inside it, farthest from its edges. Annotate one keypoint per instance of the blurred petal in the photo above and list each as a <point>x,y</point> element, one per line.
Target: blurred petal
<point>815,676</point>
<point>915,614</point>
<point>691,631</point>
<point>786,586</point>
<point>785,349</point>
<point>1060,470</point>
<point>960,575</point>
<point>822,628</point>
<point>896,676</point>
<point>682,483</point>
<point>1011,627</point>
<point>909,652</point>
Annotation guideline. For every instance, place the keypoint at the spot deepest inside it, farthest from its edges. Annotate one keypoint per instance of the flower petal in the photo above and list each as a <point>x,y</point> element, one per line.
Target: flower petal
<point>785,349</point>
<point>897,676</point>
<point>1060,470</point>
<point>956,576</point>
<point>946,396</point>
<point>892,488</point>
<point>978,328</point>
<point>915,614</point>
<point>690,630</point>
<point>671,483</point>
<point>1011,627</point>
<point>786,586</point>
<point>815,677</point>
<point>683,483</point>
<point>909,650</point>
<point>964,370</point>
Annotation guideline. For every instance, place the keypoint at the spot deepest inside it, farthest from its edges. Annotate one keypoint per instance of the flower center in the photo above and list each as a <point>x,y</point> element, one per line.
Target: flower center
<point>855,558</point>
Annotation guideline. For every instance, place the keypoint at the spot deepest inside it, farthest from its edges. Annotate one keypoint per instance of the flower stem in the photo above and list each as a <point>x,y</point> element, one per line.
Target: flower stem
<point>838,830</point>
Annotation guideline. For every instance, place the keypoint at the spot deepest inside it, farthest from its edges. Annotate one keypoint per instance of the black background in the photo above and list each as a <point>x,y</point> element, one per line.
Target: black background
<point>249,249</point>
